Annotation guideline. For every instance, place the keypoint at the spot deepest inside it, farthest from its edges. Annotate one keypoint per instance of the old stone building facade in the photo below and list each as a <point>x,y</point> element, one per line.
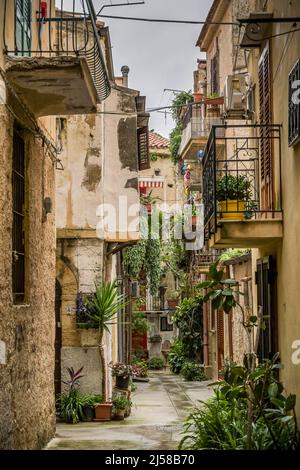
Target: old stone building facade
<point>31,84</point>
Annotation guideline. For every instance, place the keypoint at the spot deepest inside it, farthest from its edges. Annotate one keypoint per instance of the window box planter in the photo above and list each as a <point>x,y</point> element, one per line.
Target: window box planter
<point>232,209</point>
<point>155,339</point>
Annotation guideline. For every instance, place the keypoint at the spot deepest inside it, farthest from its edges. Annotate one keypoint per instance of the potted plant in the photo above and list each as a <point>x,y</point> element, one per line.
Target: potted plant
<point>120,404</point>
<point>172,298</point>
<point>194,215</point>
<point>148,200</point>
<point>70,404</point>
<point>89,402</point>
<point>122,373</point>
<point>233,193</point>
<point>103,306</point>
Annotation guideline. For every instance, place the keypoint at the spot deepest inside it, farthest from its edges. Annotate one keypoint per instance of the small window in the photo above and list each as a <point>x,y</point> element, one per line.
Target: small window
<point>164,325</point>
<point>143,148</point>
<point>294,105</point>
<point>18,234</point>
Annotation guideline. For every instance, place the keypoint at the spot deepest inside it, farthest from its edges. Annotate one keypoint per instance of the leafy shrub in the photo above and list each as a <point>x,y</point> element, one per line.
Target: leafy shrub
<point>231,187</point>
<point>139,322</point>
<point>176,357</point>
<point>223,421</point>
<point>120,402</point>
<point>156,363</point>
<point>188,319</point>
<point>140,369</point>
<point>192,371</point>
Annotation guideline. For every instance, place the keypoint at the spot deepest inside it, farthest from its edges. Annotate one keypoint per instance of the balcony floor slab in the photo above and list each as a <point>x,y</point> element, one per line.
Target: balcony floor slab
<point>53,85</point>
<point>247,233</point>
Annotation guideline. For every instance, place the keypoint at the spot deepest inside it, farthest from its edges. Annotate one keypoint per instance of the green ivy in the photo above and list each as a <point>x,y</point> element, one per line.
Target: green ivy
<point>153,264</point>
<point>133,259</point>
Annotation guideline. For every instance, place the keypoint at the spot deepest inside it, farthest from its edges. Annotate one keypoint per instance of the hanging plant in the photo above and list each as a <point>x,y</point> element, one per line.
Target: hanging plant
<point>134,258</point>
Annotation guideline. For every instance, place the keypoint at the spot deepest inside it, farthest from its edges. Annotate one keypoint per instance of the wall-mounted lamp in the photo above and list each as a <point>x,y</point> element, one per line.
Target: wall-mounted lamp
<point>47,207</point>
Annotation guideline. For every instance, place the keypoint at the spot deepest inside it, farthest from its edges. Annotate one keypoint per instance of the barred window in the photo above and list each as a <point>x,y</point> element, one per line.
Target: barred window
<point>294,106</point>
<point>18,236</point>
<point>164,325</point>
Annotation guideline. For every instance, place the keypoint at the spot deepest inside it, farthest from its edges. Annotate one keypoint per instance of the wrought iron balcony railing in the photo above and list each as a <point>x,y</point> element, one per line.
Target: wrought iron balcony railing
<point>43,29</point>
<point>241,174</point>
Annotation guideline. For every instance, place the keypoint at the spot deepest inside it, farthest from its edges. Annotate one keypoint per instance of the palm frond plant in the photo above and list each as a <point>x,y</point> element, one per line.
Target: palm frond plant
<point>102,307</point>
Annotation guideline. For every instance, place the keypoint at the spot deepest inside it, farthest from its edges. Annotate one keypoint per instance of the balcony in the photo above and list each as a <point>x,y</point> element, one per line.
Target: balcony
<point>242,186</point>
<point>197,124</point>
<point>53,59</point>
<point>204,258</point>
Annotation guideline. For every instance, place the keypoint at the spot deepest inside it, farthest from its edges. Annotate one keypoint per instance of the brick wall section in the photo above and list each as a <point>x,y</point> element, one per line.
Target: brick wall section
<point>27,408</point>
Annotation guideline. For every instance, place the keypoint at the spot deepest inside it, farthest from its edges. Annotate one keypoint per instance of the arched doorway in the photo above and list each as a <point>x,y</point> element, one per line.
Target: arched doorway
<point>58,338</point>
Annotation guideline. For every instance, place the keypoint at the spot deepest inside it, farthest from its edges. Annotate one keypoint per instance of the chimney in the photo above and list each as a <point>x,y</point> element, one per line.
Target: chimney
<point>125,72</point>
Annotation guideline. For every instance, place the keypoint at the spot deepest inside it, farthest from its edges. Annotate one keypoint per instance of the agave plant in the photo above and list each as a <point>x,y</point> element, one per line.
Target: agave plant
<point>102,307</point>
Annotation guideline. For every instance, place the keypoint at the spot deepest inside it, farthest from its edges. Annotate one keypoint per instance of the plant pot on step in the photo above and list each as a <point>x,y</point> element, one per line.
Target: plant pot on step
<point>103,412</point>
<point>232,209</point>
<point>88,413</point>
<point>119,415</point>
<point>122,382</point>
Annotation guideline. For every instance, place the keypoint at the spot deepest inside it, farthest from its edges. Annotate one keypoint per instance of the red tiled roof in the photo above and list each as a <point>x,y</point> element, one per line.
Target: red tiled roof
<point>158,141</point>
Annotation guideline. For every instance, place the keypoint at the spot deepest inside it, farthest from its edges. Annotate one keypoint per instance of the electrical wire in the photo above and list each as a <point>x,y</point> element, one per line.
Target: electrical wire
<point>164,20</point>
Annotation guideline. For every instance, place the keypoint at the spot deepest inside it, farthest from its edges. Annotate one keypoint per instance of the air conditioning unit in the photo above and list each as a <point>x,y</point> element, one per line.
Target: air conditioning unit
<point>235,92</point>
<point>135,289</point>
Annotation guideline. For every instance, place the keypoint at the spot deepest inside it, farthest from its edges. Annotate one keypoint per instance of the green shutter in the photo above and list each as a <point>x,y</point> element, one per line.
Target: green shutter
<point>23,27</point>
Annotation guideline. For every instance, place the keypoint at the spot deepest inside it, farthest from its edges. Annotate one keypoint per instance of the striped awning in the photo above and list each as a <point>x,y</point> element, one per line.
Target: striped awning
<point>151,182</point>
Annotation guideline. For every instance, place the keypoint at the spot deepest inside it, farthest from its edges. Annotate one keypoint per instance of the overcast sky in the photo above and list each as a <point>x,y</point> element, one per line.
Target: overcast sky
<point>159,55</point>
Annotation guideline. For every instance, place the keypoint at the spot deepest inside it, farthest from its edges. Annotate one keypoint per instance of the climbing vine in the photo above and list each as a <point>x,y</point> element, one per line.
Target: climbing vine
<point>180,100</point>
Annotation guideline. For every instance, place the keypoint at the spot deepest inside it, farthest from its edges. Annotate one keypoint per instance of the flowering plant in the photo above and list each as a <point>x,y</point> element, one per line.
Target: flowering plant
<point>120,370</point>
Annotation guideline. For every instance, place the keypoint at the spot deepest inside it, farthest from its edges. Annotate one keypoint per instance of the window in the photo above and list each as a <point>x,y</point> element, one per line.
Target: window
<point>23,27</point>
<point>294,105</point>
<point>164,325</point>
<point>143,148</point>
<point>18,236</point>
<point>266,295</point>
<point>215,85</point>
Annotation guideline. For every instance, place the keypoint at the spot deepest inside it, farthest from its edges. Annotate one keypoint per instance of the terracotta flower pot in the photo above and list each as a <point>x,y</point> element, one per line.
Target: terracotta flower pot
<point>103,412</point>
<point>172,303</point>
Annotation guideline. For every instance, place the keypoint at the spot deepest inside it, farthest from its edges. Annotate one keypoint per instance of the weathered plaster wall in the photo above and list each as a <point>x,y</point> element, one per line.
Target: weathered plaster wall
<point>27,412</point>
<point>286,253</point>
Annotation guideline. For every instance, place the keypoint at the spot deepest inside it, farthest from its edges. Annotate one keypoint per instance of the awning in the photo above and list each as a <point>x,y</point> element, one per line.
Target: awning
<point>151,182</point>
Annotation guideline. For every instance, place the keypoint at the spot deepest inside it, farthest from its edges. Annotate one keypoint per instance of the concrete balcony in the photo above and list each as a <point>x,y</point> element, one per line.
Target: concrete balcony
<point>55,65</point>
<point>195,136</point>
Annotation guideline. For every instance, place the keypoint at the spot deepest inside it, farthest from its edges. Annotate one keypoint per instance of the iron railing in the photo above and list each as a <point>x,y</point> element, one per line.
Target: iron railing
<point>53,32</point>
<point>158,302</point>
<point>205,258</point>
<point>197,123</point>
<point>236,154</point>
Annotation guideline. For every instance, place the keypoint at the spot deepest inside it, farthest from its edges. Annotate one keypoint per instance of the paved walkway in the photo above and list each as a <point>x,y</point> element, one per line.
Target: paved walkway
<point>159,409</point>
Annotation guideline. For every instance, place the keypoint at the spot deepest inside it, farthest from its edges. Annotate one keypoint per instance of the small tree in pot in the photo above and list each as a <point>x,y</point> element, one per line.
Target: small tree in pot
<point>103,306</point>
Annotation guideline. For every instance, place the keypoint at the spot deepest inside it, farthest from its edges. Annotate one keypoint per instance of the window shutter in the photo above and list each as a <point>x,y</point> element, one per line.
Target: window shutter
<point>294,108</point>
<point>220,339</point>
<point>143,148</point>
<point>265,115</point>
<point>23,27</point>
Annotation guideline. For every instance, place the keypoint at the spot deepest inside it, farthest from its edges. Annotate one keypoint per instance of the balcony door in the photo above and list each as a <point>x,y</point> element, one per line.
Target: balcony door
<point>23,35</point>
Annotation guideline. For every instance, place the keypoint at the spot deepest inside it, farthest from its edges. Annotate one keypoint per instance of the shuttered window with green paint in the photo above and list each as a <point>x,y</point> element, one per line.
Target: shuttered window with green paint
<point>23,27</point>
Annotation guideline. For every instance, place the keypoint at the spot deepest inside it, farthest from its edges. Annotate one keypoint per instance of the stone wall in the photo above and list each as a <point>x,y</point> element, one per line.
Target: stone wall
<point>27,407</point>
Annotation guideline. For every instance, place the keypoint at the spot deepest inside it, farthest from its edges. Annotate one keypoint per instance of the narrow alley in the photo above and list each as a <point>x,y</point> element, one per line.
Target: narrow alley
<point>158,411</point>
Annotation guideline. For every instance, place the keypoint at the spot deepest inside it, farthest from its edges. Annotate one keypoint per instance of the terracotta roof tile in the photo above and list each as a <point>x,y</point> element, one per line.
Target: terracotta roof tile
<point>158,141</point>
